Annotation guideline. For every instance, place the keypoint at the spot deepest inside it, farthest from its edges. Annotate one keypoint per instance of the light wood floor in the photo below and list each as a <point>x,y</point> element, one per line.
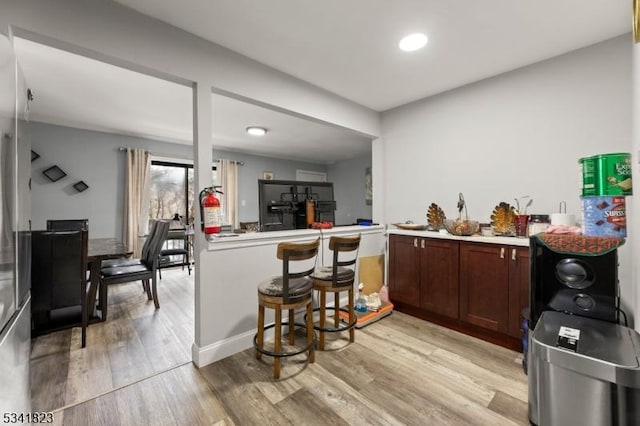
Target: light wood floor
<point>136,370</point>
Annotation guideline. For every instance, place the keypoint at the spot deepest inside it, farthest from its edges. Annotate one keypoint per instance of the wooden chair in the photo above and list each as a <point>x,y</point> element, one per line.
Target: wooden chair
<point>289,291</point>
<point>145,271</point>
<point>337,278</point>
<point>67,224</point>
<point>59,281</point>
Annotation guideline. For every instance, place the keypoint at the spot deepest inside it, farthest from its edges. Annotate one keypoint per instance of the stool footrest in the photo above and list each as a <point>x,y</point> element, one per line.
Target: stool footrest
<point>173,252</point>
<point>288,353</point>
<point>345,327</point>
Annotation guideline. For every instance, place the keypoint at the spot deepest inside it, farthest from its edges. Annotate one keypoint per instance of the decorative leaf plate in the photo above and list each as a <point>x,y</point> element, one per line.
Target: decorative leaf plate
<point>502,219</point>
<point>435,217</point>
<point>411,226</point>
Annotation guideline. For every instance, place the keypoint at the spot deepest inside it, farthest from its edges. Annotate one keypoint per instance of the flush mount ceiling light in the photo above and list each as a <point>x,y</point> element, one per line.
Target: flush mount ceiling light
<point>256,131</point>
<point>413,42</point>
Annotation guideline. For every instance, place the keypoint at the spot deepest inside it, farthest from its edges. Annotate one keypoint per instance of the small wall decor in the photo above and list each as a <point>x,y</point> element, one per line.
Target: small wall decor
<point>368,187</point>
<point>34,155</point>
<point>80,186</point>
<point>267,175</point>
<point>54,173</point>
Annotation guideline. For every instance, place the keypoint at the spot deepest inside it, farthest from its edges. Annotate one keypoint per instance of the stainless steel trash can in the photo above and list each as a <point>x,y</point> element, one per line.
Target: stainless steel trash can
<point>597,384</point>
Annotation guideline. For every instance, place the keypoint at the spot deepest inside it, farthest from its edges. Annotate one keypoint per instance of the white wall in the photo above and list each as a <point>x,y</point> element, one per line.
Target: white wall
<point>520,133</point>
<point>95,158</point>
<point>350,193</point>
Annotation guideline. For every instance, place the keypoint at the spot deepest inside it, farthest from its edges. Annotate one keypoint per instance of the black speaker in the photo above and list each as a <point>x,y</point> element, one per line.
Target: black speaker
<point>573,284</point>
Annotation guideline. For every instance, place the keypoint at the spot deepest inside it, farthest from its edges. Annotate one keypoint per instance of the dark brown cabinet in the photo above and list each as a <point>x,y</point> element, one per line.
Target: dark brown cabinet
<point>484,286</point>
<point>423,273</point>
<point>439,276</point>
<point>404,270</point>
<point>478,288</point>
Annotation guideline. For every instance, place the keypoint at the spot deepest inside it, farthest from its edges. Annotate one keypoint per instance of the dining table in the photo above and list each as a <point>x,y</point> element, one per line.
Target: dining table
<point>100,249</point>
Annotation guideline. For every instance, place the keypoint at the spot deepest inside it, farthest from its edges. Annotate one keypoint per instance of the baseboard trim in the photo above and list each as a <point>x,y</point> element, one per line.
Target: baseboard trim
<point>221,349</point>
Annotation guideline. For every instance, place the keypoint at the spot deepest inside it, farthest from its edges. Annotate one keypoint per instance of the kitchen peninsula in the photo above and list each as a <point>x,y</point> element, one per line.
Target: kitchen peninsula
<point>477,285</point>
<point>239,263</point>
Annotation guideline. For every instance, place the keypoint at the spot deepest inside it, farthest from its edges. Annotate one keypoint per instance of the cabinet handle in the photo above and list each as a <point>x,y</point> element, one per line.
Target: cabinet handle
<point>415,242</point>
<point>421,243</point>
<point>501,252</point>
<point>513,254</point>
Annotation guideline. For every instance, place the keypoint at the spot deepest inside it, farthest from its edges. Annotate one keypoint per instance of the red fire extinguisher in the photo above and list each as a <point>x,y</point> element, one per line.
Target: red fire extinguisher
<point>210,211</point>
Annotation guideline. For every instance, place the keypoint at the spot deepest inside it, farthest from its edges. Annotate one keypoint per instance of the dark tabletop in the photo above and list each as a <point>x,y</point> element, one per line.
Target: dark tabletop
<point>107,248</point>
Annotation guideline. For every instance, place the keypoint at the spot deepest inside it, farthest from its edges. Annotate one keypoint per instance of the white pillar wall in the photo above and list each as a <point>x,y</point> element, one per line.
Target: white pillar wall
<point>203,156</point>
<point>633,202</point>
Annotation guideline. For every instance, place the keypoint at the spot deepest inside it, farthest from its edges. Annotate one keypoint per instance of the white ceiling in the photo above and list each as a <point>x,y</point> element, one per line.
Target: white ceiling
<point>346,47</point>
<point>349,47</point>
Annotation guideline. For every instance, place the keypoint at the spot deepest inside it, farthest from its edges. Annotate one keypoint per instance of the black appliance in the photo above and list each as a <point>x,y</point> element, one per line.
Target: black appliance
<point>283,203</point>
<point>573,284</point>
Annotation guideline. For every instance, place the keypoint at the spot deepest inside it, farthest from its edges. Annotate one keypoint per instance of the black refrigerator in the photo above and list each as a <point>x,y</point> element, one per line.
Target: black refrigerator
<point>15,240</point>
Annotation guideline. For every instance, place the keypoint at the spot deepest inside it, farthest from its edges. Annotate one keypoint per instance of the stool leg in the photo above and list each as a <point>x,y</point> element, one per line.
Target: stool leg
<point>336,303</point>
<point>312,354</point>
<point>352,316</point>
<point>323,317</point>
<point>292,336</point>
<point>277,344</point>
<point>260,339</point>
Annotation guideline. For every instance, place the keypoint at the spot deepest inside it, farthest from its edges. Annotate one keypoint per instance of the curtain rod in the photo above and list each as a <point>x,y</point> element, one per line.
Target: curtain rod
<point>239,163</point>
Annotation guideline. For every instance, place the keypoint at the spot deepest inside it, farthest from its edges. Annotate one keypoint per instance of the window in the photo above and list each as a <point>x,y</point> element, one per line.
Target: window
<point>311,176</point>
<point>172,190</point>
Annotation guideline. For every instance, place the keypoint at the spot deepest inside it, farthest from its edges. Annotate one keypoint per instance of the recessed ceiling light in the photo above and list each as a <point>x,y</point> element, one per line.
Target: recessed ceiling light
<point>413,42</point>
<point>256,131</point>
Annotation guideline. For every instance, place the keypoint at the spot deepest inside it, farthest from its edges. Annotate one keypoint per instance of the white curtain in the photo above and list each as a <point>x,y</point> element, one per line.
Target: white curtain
<point>228,178</point>
<point>136,203</point>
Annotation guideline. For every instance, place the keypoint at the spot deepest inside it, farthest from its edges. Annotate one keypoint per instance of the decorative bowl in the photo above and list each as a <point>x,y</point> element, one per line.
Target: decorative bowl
<point>461,227</point>
<point>411,226</point>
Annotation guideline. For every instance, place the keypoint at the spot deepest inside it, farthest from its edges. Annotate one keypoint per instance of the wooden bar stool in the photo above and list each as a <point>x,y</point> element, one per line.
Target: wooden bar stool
<point>289,291</point>
<point>338,277</point>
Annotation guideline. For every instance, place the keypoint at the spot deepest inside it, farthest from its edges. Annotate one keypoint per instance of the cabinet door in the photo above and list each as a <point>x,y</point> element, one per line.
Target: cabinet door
<point>439,276</point>
<point>519,275</point>
<point>404,270</point>
<point>484,285</point>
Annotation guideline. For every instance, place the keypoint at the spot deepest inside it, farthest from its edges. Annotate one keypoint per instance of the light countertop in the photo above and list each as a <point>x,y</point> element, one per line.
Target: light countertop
<point>510,241</point>
<point>226,241</point>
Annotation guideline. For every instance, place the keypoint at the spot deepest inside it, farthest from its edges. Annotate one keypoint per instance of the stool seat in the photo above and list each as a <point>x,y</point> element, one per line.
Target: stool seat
<point>344,276</point>
<point>173,252</point>
<point>110,263</point>
<point>299,288</point>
